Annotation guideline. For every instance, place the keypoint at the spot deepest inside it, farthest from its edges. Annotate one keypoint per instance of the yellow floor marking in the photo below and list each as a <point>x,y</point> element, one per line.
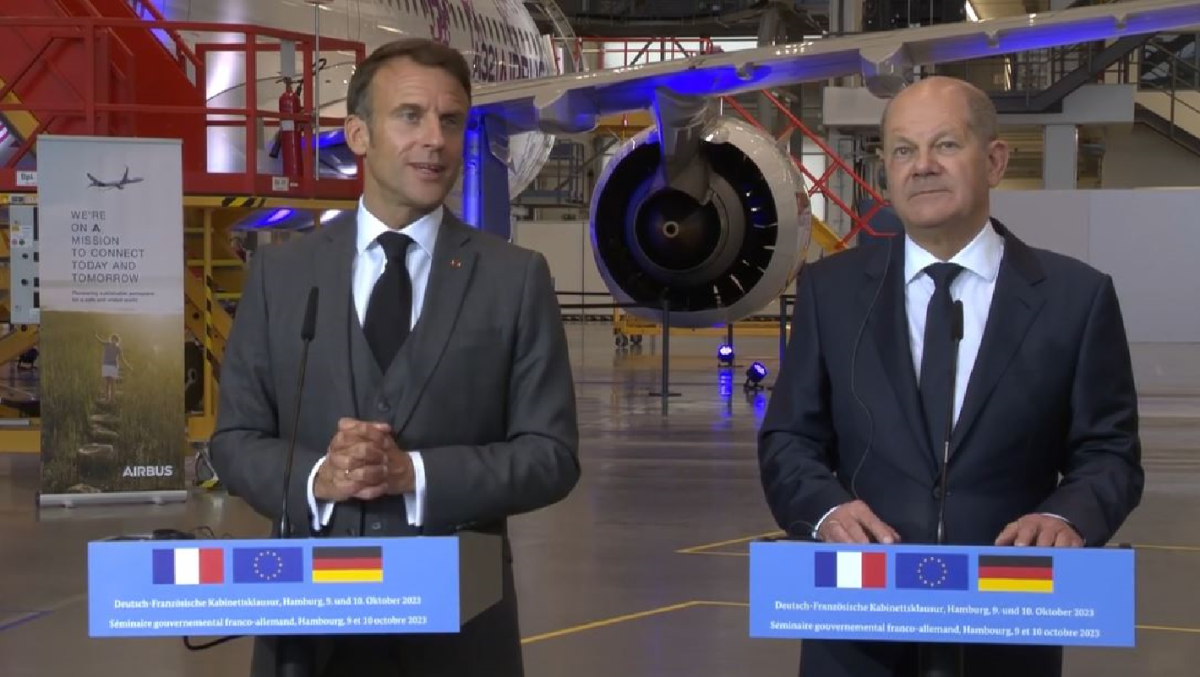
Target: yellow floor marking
<point>606,622</point>
<point>697,548</point>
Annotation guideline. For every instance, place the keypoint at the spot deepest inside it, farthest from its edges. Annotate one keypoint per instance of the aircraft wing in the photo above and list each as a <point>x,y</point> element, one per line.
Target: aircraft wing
<point>572,103</point>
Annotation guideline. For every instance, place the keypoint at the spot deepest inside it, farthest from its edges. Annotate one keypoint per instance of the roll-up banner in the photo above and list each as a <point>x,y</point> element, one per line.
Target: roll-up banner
<point>112,325</point>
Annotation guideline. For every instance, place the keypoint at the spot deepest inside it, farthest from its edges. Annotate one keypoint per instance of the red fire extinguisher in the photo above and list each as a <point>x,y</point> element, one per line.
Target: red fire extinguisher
<point>289,135</point>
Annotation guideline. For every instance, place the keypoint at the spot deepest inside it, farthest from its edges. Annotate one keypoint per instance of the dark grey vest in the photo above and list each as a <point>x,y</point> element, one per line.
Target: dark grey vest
<point>384,516</point>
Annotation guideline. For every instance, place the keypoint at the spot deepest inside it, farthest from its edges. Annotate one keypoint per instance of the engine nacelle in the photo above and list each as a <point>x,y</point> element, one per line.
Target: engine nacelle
<point>715,263</point>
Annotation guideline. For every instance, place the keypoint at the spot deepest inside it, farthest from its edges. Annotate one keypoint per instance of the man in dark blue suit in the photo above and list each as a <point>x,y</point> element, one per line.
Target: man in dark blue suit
<point>1044,449</point>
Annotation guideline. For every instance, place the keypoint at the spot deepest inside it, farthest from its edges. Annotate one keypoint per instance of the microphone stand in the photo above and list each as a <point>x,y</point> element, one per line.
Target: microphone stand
<point>939,659</point>
<point>294,654</point>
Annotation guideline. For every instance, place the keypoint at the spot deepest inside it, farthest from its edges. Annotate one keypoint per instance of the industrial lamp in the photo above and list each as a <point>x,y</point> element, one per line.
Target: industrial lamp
<point>754,376</point>
<point>725,355</point>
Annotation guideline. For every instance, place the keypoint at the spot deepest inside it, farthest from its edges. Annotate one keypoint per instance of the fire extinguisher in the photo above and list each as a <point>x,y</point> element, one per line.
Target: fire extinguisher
<point>289,134</point>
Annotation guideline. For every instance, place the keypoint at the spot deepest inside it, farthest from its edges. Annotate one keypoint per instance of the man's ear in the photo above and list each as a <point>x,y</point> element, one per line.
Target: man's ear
<point>358,134</point>
<point>998,154</point>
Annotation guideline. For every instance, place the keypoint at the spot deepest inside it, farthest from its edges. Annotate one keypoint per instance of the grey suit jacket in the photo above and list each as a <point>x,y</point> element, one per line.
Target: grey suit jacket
<point>482,387</point>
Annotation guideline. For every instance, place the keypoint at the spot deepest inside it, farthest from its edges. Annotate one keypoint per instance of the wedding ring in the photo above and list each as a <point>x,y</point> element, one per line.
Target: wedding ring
<point>347,471</point>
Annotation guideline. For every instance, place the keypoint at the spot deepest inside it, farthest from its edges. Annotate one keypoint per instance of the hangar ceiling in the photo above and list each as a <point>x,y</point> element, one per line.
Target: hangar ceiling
<point>720,18</point>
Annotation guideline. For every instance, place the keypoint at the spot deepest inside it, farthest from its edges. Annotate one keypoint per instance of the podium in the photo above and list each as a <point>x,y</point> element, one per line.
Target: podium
<point>943,594</point>
<point>325,586</point>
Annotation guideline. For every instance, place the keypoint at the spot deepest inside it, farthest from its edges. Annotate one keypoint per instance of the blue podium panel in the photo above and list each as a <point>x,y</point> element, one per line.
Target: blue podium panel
<point>990,595</point>
<point>273,587</point>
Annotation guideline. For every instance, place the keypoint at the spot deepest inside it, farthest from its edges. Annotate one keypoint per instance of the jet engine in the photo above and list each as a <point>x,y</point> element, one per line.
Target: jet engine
<point>716,259</point>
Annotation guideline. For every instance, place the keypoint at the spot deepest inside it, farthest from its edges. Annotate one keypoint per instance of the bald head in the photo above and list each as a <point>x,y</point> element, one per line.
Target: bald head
<point>941,91</point>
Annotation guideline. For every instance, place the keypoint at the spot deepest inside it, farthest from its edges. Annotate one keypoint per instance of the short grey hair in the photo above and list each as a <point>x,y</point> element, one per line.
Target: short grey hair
<point>983,120</point>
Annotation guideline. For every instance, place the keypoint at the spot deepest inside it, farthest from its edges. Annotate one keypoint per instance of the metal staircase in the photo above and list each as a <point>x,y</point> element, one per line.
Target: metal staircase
<point>1168,98</point>
<point>1041,79</point>
<point>54,68</point>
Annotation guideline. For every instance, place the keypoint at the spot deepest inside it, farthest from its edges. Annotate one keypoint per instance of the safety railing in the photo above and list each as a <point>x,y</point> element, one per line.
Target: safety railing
<point>1170,63</point>
<point>1177,80</point>
<point>99,110</point>
<point>1174,60</point>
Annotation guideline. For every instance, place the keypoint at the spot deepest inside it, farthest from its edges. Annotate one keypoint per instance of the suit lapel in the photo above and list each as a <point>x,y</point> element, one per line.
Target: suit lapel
<point>889,333</point>
<point>334,267</point>
<point>1015,303</point>
<point>449,275</point>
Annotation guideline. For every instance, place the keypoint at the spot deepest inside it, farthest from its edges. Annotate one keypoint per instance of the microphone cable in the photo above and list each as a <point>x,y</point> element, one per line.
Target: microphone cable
<point>812,528</point>
<point>853,368</point>
<point>307,332</point>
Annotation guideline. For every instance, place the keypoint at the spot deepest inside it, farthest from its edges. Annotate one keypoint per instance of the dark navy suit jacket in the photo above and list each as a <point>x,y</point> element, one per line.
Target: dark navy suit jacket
<point>1049,421</point>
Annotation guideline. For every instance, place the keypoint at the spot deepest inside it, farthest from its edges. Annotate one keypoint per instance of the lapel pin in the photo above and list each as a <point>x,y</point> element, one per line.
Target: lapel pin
<point>455,263</point>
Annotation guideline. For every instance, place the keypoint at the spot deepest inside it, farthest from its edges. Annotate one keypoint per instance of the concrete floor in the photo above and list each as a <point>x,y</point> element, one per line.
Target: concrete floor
<point>642,571</point>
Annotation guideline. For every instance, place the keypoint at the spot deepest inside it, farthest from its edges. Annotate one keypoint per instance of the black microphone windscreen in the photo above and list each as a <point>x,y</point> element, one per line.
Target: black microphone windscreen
<point>956,321</point>
<point>309,329</point>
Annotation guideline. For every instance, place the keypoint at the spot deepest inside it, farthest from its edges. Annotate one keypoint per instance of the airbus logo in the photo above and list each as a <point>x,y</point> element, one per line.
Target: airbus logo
<point>149,471</point>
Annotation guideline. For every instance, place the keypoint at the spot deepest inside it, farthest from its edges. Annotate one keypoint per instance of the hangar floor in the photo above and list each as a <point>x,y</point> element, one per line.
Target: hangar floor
<point>642,571</point>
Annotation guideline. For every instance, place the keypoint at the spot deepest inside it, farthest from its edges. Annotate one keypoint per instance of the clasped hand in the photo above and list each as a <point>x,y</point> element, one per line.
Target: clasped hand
<point>363,462</point>
<point>854,522</point>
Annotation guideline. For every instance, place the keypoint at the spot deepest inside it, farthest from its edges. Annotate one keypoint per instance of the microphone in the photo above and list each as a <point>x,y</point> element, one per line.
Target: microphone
<point>293,655</point>
<point>956,334</point>
<point>946,660</point>
<point>307,331</point>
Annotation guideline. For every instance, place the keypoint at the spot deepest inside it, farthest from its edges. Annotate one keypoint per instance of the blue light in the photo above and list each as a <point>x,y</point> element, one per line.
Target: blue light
<point>725,353</point>
<point>259,220</point>
<point>725,384</point>
<point>279,215</point>
<point>331,139</point>
<point>474,147</point>
<point>754,375</point>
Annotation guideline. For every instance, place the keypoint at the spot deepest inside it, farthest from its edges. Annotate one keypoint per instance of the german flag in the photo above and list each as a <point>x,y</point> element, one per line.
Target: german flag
<point>1016,573</point>
<point>362,564</point>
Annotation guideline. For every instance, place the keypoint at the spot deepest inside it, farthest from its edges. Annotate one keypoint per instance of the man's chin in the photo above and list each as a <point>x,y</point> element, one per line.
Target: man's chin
<point>428,197</point>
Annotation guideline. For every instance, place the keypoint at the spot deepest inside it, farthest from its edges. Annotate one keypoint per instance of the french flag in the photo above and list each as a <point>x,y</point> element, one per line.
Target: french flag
<point>851,570</point>
<point>189,566</point>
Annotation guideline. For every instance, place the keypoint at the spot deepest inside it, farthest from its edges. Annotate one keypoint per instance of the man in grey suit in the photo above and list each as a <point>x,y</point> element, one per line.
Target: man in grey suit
<point>439,394</point>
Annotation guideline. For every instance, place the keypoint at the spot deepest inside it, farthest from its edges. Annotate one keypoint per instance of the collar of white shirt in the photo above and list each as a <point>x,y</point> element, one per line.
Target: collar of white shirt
<point>981,256</point>
<point>423,231</point>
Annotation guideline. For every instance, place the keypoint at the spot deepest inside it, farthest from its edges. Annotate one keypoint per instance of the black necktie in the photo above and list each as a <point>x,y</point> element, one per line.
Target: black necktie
<point>389,312</point>
<point>937,390</point>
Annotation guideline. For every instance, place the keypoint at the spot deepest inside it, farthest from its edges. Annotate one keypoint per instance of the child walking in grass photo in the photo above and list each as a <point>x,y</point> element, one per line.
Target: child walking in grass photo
<point>111,359</point>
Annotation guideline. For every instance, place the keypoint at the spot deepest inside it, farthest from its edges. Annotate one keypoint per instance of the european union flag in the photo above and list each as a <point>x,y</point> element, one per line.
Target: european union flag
<point>268,565</point>
<point>931,571</point>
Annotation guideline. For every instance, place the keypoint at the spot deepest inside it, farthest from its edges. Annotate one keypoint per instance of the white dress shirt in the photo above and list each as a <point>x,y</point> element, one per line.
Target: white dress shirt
<point>974,286</point>
<point>369,263</point>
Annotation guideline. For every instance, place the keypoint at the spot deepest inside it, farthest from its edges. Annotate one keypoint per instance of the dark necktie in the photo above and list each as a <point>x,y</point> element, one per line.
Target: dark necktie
<point>937,390</point>
<point>389,312</point>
